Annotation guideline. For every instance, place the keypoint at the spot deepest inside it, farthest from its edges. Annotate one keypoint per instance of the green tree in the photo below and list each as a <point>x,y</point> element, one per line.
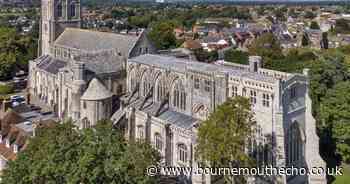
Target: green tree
<point>237,56</point>
<point>325,41</point>
<point>310,15</point>
<point>305,40</point>
<point>62,154</point>
<point>223,136</point>
<point>6,89</point>
<point>335,113</point>
<point>342,26</point>
<point>266,46</point>
<point>314,25</point>
<point>162,35</point>
<point>205,56</point>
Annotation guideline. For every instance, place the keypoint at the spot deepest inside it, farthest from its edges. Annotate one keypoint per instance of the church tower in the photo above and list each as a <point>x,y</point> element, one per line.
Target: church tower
<point>56,15</point>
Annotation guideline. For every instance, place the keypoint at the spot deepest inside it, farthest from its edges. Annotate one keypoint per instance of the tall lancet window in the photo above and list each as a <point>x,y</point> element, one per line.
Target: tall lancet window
<point>73,10</point>
<point>161,90</point>
<point>146,84</point>
<point>59,10</point>
<point>179,96</point>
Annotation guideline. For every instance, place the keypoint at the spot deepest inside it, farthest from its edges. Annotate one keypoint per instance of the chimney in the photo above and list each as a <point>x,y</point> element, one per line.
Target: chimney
<point>255,62</point>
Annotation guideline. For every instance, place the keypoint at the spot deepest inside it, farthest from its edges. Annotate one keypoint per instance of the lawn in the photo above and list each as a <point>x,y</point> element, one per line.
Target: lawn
<point>345,178</point>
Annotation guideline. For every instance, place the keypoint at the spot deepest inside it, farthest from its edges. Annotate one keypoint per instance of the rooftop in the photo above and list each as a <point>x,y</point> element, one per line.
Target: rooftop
<point>93,41</point>
<point>96,91</point>
<point>182,65</point>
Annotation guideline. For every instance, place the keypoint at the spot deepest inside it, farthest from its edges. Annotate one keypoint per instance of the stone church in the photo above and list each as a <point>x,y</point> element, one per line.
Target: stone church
<point>89,76</point>
<point>80,72</point>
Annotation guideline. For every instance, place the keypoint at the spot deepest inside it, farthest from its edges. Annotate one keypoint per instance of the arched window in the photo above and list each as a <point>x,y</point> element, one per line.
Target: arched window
<point>295,145</point>
<point>161,90</point>
<point>72,10</point>
<point>86,123</point>
<point>140,132</point>
<point>158,141</point>
<point>179,96</point>
<point>182,153</point>
<point>132,80</point>
<point>59,10</point>
<point>146,84</point>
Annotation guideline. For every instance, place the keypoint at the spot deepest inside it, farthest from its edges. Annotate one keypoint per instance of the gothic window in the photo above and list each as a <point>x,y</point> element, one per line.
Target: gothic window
<point>182,153</point>
<point>72,10</point>
<point>295,145</point>
<point>252,97</point>
<point>59,10</point>
<point>207,85</point>
<point>132,80</point>
<point>196,83</point>
<point>140,132</point>
<point>234,91</point>
<point>84,105</point>
<point>179,96</point>
<point>86,123</point>
<point>266,100</point>
<point>146,84</point>
<point>293,92</point>
<point>158,141</point>
<point>140,50</point>
<point>161,90</point>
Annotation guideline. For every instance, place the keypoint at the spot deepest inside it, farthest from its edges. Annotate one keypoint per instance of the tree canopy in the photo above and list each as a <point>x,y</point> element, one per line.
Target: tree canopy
<point>223,136</point>
<point>266,46</point>
<point>15,51</point>
<point>63,154</point>
<point>237,56</point>
<point>162,35</point>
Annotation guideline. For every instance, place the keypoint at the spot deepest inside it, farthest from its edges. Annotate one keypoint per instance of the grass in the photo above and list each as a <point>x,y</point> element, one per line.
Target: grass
<point>345,178</point>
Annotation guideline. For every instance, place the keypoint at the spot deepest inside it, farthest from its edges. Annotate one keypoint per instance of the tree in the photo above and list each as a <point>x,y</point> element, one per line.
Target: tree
<point>266,46</point>
<point>305,40</point>
<point>223,136</point>
<point>62,154</point>
<point>324,41</point>
<point>205,56</point>
<point>335,113</point>
<point>15,52</point>
<point>6,89</point>
<point>314,25</point>
<point>237,56</point>
<point>309,15</point>
<point>162,35</point>
<point>342,26</point>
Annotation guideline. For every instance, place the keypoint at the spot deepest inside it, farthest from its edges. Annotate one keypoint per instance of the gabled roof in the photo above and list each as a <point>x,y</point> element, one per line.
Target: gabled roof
<point>50,64</point>
<point>96,91</point>
<point>93,41</point>
<point>102,62</point>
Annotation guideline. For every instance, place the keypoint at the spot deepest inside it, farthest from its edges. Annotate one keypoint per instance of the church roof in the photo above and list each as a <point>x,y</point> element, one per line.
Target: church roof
<point>50,64</point>
<point>96,91</point>
<point>182,65</point>
<point>93,41</point>
<point>102,62</point>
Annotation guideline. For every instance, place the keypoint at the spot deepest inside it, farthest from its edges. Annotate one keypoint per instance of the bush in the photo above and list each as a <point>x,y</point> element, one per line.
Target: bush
<point>6,89</point>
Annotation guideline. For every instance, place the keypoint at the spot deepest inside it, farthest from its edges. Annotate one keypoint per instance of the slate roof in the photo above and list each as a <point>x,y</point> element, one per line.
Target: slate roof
<point>181,65</point>
<point>102,62</point>
<point>92,41</point>
<point>50,64</point>
<point>168,115</point>
<point>96,91</point>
